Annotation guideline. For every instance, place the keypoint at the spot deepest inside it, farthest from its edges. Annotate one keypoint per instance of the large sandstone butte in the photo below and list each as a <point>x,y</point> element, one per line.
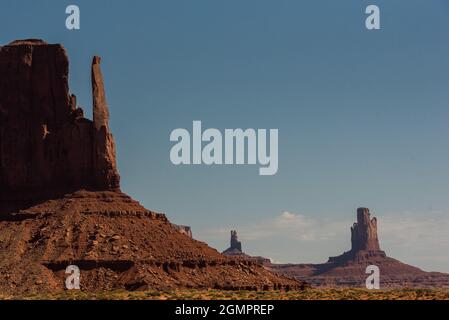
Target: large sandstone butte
<point>349,269</point>
<point>61,204</point>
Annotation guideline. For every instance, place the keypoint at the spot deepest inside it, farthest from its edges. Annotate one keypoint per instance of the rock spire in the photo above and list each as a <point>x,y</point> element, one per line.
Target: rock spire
<point>364,232</point>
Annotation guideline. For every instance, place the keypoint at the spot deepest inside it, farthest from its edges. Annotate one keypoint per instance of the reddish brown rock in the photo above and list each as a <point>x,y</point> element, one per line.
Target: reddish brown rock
<point>49,153</point>
<point>235,251</point>
<point>236,245</point>
<point>349,269</point>
<point>45,142</point>
<point>105,167</point>
<point>184,230</point>
<point>117,244</point>
<point>364,232</point>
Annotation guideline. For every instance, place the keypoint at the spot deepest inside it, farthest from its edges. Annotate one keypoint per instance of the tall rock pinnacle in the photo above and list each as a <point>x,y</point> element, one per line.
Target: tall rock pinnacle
<point>105,166</point>
<point>100,105</point>
<point>364,232</point>
<point>236,246</point>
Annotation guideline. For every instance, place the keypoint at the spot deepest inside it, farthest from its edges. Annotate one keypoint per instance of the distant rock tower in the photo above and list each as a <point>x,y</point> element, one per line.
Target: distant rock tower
<point>350,268</point>
<point>236,246</point>
<point>235,250</point>
<point>364,240</point>
<point>364,232</point>
<point>235,243</point>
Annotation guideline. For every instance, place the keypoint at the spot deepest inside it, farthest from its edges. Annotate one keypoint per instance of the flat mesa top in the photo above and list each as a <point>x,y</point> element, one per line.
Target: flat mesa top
<point>28,42</point>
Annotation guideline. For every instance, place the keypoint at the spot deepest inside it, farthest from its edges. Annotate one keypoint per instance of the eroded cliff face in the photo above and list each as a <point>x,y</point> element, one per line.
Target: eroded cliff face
<point>45,141</point>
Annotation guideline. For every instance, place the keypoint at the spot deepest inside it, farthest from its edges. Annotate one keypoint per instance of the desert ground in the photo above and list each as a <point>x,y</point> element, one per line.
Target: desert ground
<point>309,294</point>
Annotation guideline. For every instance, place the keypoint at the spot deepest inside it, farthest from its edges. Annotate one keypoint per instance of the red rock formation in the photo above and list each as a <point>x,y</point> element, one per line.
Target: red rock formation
<point>236,245</point>
<point>48,152</point>
<point>349,269</point>
<point>117,244</point>
<point>235,251</point>
<point>45,142</point>
<point>364,232</point>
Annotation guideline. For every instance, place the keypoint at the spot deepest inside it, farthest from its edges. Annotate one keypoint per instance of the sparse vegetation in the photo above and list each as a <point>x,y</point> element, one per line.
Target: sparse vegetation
<point>310,294</point>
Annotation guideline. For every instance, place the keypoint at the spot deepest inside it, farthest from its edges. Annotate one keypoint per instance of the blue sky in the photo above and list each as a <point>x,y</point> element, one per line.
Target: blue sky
<point>362,115</point>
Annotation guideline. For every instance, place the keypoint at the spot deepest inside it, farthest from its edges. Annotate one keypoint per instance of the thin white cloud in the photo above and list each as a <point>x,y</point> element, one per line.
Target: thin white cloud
<point>289,225</point>
<point>421,240</point>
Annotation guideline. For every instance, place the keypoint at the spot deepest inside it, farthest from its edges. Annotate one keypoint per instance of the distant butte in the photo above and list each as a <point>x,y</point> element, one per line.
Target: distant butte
<point>60,198</point>
<point>236,246</point>
<point>235,251</point>
<point>349,269</point>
